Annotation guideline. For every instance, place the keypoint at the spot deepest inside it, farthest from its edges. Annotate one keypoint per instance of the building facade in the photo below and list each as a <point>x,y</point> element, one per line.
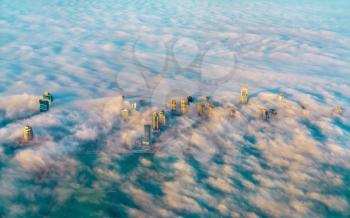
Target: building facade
<point>28,134</point>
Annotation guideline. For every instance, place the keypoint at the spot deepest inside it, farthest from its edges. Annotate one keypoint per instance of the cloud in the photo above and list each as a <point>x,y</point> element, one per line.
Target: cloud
<point>296,164</point>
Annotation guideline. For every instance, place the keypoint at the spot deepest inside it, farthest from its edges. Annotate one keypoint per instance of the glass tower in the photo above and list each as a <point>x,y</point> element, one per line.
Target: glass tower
<point>48,96</point>
<point>147,134</point>
<point>162,118</point>
<point>44,105</point>
<point>264,113</point>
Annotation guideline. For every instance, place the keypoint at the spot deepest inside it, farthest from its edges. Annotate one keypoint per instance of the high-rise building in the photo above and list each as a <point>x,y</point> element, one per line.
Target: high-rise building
<point>189,99</point>
<point>44,105</point>
<point>210,108</point>
<point>338,110</point>
<point>272,112</point>
<point>232,112</point>
<point>125,113</point>
<point>48,97</point>
<point>304,110</point>
<point>155,122</point>
<point>142,102</point>
<point>134,106</point>
<point>281,97</point>
<point>244,95</point>
<point>147,134</point>
<point>264,113</point>
<point>173,105</point>
<point>201,108</point>
<point>28,134</point>
<point>162,118</point>
<point>183,106</point>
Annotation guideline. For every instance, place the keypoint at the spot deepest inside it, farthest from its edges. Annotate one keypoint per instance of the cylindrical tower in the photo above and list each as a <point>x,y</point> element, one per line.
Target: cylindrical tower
<point>28,134</point>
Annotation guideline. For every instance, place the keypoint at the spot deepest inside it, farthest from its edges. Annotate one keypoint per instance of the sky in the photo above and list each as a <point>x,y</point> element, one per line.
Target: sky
<point>88,54</point>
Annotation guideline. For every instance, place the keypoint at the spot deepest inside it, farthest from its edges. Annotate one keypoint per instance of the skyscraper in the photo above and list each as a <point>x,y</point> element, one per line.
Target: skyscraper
<point>338,110</point>
<point>134,107</point>
<point>48,97</point>
<point>155,122</point>
<point>147,134</point>
<point>173,105</point>
<point>244,95</point>
<point>210,108</point>
<point>183,106</point>
<point>28,134</point>
<point>264,113</point>
<point>201,108</point>
<point>232,112</point>
<point>189,99</point>
<point>162,118</point>
<point>304,110</point>
<point>281,97</point>
<point>272,112</point>
<point>125,113</point>
<point>44,105</point>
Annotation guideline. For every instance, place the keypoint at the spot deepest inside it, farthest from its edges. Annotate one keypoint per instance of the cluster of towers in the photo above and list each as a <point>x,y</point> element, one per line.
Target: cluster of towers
<point>158,123</point>
<point>44,105</point>
<point>266,114</point>
<point>159,120</point>
<point>183,106</point>
<point>205,107</point>
<point>125,111</point>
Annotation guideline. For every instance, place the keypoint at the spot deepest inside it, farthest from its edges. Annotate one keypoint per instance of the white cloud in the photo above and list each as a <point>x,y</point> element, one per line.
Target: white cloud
<point>290,166</point>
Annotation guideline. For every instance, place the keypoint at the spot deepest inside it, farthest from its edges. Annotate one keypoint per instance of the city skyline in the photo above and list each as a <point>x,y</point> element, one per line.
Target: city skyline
<point>167,109</point>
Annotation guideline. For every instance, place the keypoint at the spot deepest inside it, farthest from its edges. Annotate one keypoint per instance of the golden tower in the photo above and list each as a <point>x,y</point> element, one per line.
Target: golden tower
<point>338,110</point>
<point>281,97</point>
<point>173,105</point>
<point>183,106</point>
<point>28,134</point>
<point>134,107</point>
<point>244,95</point>
<point>125,113</point>
<point>155,121</point>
